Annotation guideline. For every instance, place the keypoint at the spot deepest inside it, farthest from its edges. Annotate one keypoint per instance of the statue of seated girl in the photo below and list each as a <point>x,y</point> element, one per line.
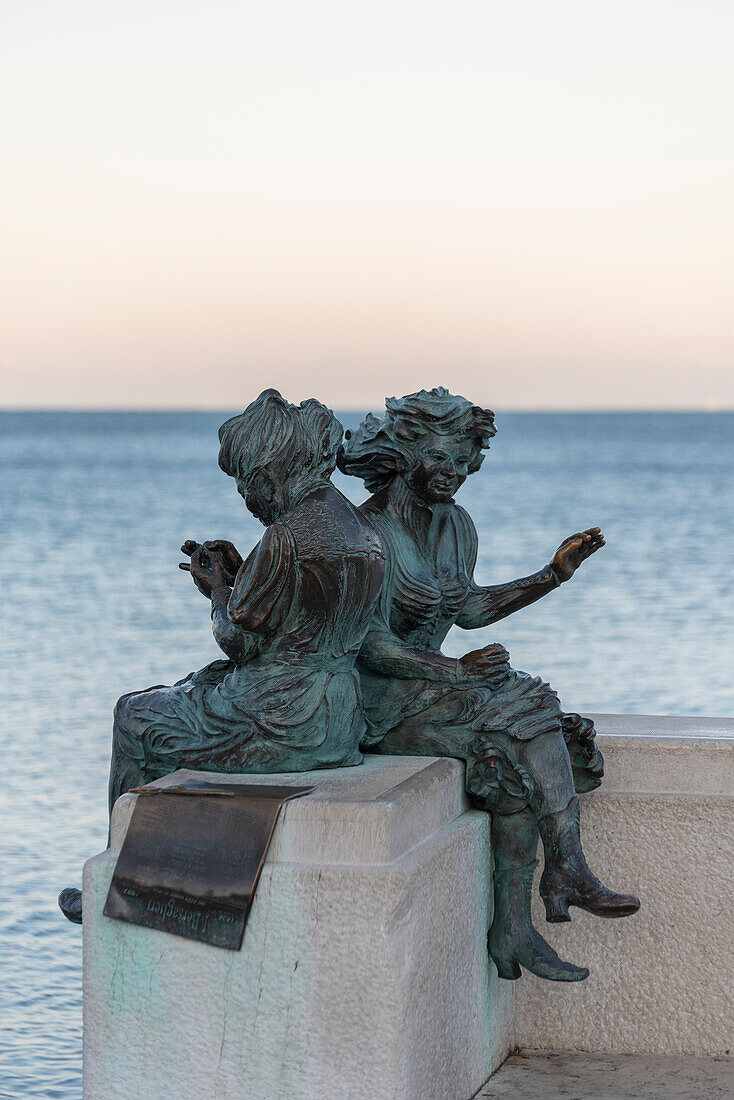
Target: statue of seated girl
<point>525,758</point>
<point>290,621</point>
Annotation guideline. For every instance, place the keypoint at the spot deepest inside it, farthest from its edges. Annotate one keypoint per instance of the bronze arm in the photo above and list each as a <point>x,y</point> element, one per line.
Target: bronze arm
<point>235,643</point>
<point>383,652</point>
<point>488,605</point>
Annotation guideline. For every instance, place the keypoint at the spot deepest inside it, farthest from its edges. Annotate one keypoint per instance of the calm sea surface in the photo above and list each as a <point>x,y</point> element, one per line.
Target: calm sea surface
<point>94,508</point>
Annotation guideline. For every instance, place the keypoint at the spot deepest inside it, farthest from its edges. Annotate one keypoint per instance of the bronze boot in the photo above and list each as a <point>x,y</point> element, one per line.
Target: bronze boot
<point>567,879</point>
<point>70,904</point>
<point>513,941</point>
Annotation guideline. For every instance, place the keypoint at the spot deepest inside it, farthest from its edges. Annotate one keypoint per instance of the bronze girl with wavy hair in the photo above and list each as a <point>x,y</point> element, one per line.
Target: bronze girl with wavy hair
<point>525,758</point>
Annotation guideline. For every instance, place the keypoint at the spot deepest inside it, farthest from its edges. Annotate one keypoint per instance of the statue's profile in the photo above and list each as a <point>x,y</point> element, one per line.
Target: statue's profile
<point>332,632</point>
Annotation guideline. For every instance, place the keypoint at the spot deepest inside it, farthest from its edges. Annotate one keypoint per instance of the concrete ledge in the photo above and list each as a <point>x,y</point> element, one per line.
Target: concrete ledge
<point>364,969</point>
<point>568,1076</point>
<point>367,814</point>
<point>662,825</point>
<point>363,972</point>
<point>651,753</point>
<point>665,725</point>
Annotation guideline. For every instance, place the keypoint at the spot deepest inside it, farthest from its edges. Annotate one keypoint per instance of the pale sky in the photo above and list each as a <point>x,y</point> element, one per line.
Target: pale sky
<point>529,202</point>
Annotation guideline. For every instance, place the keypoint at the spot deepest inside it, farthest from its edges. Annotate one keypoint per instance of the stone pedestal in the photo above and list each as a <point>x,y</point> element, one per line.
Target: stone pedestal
<point>661,826</point>
<point>363,971</point>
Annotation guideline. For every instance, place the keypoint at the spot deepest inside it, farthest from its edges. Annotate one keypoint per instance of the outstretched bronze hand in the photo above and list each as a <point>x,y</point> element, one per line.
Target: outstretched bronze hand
<point>575,549</point>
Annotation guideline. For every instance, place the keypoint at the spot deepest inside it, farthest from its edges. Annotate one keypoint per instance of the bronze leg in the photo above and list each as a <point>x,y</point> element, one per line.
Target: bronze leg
<point>513,941</point>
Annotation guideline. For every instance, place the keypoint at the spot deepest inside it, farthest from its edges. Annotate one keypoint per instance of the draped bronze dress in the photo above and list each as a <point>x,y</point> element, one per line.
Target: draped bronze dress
<point>299,610</point>
<point>424,708</point>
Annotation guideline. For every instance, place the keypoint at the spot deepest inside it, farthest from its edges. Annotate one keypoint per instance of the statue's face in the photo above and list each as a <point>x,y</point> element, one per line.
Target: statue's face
<point>439,468</point>
<point>261,496</point>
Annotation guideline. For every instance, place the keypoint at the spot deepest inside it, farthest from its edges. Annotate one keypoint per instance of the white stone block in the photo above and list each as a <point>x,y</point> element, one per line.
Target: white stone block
<point>363,971</point>
<point>662,827</point>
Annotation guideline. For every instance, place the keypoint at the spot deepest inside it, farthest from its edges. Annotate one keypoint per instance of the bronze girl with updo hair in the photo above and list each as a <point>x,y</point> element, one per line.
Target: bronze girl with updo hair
<point>525,759</point>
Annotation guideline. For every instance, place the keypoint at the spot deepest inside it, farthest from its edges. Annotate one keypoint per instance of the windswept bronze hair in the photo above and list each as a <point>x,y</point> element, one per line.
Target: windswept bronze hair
<point>381,446</point>
<point>302,438</point>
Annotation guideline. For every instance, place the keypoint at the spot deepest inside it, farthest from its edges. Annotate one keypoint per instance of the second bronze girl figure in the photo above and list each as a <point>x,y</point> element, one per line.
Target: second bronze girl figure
<point>525,759</point>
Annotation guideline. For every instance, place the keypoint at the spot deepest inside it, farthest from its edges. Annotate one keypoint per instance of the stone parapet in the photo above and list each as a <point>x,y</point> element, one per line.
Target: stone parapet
<point>363,971</point>
<point>661,826</point>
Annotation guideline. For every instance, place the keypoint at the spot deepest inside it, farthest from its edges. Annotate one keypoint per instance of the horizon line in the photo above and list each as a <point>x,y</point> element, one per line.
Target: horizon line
<point>503,409</point>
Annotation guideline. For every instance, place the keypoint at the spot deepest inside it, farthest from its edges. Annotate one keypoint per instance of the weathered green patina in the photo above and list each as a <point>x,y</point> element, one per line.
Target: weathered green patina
<point>525,758</point>
<point>332,629</point>
<point>290,620</point>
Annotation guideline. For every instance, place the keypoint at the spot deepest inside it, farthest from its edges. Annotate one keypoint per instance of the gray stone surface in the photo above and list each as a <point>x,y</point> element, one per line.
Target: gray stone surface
<point>662,980</point>
<point>363,972</point>
<point>664,725</point>
<point>667,765</point>
<point>375,813</point>
<point>565,1076</point>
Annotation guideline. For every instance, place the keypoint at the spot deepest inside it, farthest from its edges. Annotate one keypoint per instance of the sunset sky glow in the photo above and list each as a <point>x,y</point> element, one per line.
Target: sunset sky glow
<point>531,203</point>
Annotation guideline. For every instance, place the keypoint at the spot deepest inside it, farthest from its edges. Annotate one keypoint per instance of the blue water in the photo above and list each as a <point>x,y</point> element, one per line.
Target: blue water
<point>94,508</point>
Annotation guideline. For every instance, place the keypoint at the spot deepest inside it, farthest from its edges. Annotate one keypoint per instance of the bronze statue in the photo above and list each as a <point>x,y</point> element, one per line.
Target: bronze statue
<point>290,620</point>
<point>525,758</point>
<point>332,596</point>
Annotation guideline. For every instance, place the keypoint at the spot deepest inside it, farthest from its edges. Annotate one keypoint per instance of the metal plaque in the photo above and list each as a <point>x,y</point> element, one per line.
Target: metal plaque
<point>190,861</point>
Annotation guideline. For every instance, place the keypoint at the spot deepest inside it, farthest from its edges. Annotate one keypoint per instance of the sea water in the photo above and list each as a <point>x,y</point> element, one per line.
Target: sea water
<point>94,508</point>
